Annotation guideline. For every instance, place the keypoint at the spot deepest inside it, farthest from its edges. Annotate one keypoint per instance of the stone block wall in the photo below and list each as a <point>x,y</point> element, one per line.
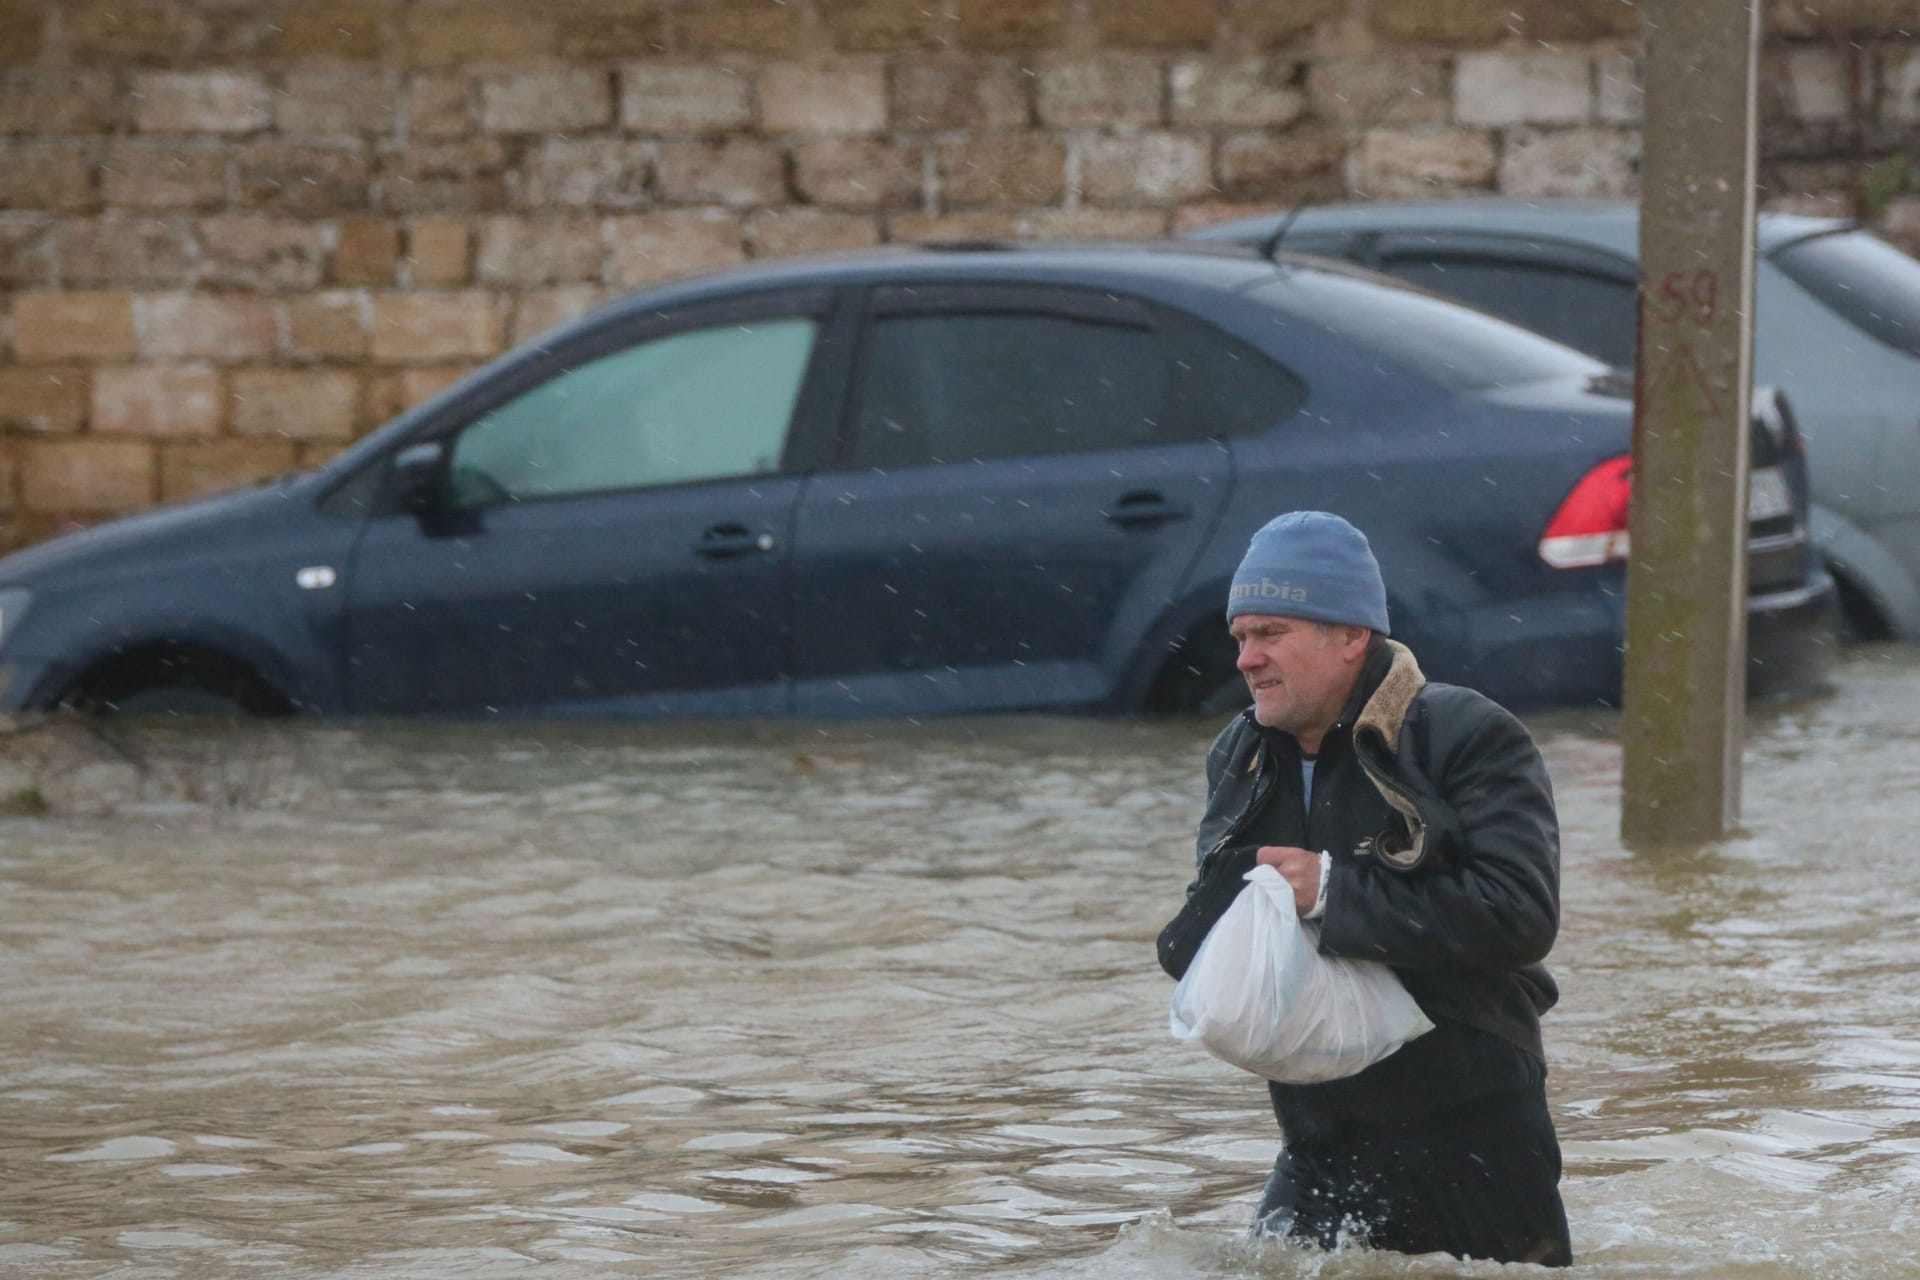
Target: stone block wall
<point>237,234</point>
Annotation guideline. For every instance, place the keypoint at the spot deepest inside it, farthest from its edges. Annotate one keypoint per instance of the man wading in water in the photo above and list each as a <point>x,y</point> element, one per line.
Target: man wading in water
<point>1415,823</point>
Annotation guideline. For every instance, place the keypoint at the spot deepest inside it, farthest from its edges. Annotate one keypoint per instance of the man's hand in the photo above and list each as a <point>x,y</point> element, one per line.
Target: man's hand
<point>1299,868</point>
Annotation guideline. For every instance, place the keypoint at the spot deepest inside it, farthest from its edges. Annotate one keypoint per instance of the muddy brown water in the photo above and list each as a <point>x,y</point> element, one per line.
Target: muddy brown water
<point>858,1000</point>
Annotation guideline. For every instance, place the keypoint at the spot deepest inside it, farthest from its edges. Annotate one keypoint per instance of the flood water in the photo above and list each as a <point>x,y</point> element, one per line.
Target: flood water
<point>857,1000</point>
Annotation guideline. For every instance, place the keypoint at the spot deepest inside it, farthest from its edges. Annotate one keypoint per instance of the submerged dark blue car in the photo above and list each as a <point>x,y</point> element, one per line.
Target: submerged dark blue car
<point>957,479</point>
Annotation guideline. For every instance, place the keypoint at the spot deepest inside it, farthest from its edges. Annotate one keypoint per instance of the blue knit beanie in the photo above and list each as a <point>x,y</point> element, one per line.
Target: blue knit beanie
<point>1310,564</point>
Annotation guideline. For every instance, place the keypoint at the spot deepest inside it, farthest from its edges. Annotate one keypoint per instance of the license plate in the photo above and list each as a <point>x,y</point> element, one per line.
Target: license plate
<point>1768,497</point>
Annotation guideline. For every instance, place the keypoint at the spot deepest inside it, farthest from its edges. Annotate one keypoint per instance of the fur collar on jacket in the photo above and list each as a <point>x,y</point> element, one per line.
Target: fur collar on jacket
<point>1386,708</point>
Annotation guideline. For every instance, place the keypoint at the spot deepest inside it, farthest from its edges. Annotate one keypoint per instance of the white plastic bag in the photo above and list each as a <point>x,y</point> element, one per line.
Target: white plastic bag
<point>1259,995</point>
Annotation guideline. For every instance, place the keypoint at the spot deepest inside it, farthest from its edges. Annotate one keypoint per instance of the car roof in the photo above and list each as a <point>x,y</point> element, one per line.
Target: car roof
<point>1612,224</point>
<point>1171,270</point>
<point>1227,266</point>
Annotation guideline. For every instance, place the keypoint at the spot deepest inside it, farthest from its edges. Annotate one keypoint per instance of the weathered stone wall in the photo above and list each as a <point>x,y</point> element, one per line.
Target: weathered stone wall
<point>235,234</point>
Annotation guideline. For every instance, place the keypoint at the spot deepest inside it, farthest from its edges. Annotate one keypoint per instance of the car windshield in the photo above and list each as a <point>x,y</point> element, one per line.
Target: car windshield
<point>1865,281</point>
<point>1455,346</point>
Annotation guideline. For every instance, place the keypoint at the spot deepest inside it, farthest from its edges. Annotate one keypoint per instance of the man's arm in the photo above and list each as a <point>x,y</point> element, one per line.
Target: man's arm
<point>1219,878</point>
<point>1208,897</point>
<point>1495,903</point>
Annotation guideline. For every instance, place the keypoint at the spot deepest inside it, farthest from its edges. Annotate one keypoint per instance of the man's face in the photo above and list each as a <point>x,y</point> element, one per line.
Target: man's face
<point>1300,672</point>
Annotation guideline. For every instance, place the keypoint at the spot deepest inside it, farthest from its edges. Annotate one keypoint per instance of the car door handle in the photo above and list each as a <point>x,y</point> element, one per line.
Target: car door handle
<point>725,541</point>
<point>1144,507</point>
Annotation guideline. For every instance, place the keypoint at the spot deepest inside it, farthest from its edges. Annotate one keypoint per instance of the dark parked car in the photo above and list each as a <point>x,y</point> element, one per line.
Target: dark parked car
<point>968,478</point>
<point>1836,325</point>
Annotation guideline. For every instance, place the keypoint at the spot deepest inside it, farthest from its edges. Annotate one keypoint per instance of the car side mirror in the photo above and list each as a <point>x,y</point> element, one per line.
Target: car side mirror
<point>419,472</point>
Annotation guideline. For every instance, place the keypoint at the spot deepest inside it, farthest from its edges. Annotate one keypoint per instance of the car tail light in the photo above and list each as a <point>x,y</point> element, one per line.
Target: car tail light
<point>1591,525</point>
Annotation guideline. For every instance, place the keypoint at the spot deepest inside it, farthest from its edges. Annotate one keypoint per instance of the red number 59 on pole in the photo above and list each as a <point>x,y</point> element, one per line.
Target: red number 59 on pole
<point>1684,294</point>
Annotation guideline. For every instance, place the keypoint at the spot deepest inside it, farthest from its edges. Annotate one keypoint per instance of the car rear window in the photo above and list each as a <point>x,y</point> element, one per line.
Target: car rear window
<point>1588,312</point>
<point>1454,346</point>
<point>1865,281</point>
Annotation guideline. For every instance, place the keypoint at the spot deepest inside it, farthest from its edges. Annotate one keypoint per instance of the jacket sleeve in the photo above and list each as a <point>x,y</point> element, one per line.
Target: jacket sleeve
<point>1495,902</point>
<point>1221,879</point>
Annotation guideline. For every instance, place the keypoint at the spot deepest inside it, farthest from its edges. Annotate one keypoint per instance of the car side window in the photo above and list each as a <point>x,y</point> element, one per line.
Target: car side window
<point>979,381</point>
<point>699,404</point>
<point>1224,383</point>
<point>1589,312</point>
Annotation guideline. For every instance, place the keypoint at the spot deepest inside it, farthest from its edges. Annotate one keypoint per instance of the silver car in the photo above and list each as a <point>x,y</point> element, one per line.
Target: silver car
<point>1836,324</point>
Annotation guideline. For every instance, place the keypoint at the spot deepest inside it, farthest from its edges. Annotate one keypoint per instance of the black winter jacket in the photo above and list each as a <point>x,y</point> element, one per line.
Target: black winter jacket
<point>1439,816</point>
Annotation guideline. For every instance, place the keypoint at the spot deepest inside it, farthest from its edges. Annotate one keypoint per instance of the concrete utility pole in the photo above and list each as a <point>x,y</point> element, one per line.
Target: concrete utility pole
<point>1687,567</point>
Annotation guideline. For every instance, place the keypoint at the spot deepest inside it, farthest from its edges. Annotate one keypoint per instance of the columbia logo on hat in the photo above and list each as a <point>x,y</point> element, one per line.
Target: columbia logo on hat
<point>1268,589</point>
